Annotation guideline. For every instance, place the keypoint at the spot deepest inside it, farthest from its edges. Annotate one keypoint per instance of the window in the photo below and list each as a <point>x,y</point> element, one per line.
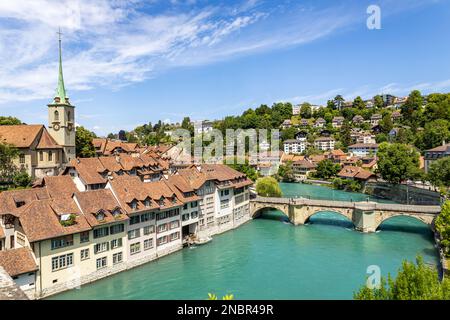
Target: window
<point>162,227</point>
<point>185,217</point>
<point>56,115</point>
<point>57,156</point>
<point>185,206</point>
<point>101,247</point>
<point>84,236</point>
<point>145,217</point>
<point>174,224</point>
<point>117,258</point>
<point>61,262</point>
<point>148,244</point>
<point>224,192</point>
<point>101,263</point>
<point>102,232</point>
<point>62,242</point>
<point>84,254</point>
<point>21,158</point>
<point>116,213</point>
<point>50,156</point>
<point>162,240</point>
<point>174,236</point>
<point>147,203</point>
<point>133,234</point>
<point>194,204</point>
<point>134,220</point>
<point>116,243</point>
<point>149,229</point>
<point>68,116</point>
<point>194,214</point>
<point>135,248</point>
<point>118,228</point>
<point>41,156</point>
<point>224,204</point>
<point>133,204</point>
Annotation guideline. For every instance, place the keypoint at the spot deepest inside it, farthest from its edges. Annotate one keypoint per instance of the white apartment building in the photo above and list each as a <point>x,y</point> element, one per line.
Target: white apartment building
<point>324,143</point>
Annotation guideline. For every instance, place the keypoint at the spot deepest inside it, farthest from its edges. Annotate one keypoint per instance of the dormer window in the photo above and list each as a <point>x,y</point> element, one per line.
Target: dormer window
<point>100,215</point>
<point>161,202</point>
<point>133,204</point>
<point>174,200</point>
<point>147,202</point>
<point>116,212</point>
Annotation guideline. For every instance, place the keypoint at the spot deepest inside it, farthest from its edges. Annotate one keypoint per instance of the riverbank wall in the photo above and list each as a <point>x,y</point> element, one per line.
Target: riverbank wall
<point>402,193</point>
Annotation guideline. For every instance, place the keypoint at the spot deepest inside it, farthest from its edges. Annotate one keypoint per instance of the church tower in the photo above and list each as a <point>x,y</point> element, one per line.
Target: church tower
<point>61,117</point>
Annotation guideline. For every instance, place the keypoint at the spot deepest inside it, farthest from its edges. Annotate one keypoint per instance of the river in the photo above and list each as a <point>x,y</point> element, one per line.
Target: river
<point>269,258</point>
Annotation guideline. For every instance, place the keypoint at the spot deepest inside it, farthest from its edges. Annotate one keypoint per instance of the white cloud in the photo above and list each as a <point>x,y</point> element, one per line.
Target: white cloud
<point>118,42</point>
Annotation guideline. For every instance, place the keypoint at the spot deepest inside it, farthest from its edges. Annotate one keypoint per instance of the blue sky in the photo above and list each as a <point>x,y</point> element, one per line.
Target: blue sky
<point>128,62</point>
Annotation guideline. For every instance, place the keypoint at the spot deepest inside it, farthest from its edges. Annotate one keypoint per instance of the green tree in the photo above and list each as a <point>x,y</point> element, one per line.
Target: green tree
<point>442,225</point>
<point>326,169</point>
<point>268,187</point>
<point>378,102</point>
<point>83,142</point>
<point>397,162</point>
<point>21,179</point>
<point>434,133</point>
<point>305,110</point>
<point>8,169</point>
<point>439,172</point>
<point>9,121</point>
<point>411,109</point>
<point>414,281</point>
<point>386,123</point>
<point>358,103</point>
<point>346,137</point>
<point>286,172</point>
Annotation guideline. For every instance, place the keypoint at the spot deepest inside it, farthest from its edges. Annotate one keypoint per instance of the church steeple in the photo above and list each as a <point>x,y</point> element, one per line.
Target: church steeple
<point>61,90</point>
<point>61,116</point>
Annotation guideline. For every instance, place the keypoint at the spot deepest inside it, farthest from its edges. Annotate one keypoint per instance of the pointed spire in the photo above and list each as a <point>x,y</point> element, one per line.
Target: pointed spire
<point>61,90</point>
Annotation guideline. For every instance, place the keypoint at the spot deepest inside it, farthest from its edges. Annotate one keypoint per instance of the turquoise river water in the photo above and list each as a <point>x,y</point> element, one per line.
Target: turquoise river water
<point>269,258</point>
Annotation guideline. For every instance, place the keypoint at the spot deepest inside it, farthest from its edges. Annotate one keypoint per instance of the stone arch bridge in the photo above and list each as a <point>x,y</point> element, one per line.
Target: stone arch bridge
<point>366,216</point>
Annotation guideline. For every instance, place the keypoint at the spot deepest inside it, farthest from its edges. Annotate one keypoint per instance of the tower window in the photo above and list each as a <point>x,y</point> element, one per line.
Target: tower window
<point>68,115</point>
<point>56,115</point>
<point>50,156</point>
<point>41,156</point>
<point>22,158</point>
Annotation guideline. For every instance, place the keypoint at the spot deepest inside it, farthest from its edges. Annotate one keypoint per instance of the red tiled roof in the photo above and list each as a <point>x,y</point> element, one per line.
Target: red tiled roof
<point>18,261</point>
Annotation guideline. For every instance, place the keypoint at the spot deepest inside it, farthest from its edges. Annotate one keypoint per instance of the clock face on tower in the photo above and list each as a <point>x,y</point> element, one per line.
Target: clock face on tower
<point>69,127</point>
<point>56,127</point>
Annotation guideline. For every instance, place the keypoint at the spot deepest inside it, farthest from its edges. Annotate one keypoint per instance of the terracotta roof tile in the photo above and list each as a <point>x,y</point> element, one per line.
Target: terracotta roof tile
<point>18,261</point>
<point>40,219</point>
<point>22,136</point>
<point>46,141</point>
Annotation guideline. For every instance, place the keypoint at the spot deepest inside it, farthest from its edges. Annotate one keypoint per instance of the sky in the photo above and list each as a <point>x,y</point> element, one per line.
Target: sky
<point>130,62</point>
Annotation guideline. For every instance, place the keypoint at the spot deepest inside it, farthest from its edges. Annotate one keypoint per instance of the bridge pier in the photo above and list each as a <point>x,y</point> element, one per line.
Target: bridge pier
<point>364,220</point>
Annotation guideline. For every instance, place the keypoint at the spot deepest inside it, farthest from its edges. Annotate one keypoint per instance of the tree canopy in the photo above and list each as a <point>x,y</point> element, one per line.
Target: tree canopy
<point>397,162</point>
<point>83,141</point>
<point>414,281</point>
<point>268,187</point>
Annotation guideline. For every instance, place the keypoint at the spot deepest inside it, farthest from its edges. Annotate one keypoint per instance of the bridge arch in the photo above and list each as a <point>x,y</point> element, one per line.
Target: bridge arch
<point>346,213</point>
<point>384,216</point>
<point>258,208</point>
